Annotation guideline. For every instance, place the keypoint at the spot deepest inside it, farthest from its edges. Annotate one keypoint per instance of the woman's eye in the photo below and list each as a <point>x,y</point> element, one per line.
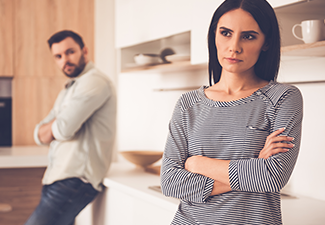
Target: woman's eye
<point>248,37</point>
<point>225,33</point>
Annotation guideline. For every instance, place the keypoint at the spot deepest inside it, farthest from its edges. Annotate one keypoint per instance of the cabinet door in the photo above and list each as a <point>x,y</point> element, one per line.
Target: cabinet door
<point>203,11</point>
<point>279,3</point>
<point>139,21</point>
<point>6,38</point>
<point>37,78</point>
<point>123,208</point>
<point>37,20</point>
<point>21,189</point>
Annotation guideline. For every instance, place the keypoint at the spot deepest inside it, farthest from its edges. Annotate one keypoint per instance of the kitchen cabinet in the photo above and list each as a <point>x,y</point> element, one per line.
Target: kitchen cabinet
<point>21,189</point>
<point>298,58</point>
<point>279,3</point>
<point>293,14</point>
<point>37,79</point>
<point>6,38</point>
<point>33,98</point>
<point>180,43</point>
<point>36,21</point>
<point>21,172</point>
<point>316,49</point>
<point>139,21</point>
<point>127,199</point>
<point>138,211</point>
<point>288,15</point>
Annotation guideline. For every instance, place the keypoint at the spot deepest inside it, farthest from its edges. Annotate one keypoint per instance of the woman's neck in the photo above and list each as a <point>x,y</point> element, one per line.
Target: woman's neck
<point>235,86</point>
<point>234,82</point>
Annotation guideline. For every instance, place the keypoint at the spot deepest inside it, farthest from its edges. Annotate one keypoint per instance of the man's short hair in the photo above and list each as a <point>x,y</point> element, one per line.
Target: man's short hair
<point>61,35</point>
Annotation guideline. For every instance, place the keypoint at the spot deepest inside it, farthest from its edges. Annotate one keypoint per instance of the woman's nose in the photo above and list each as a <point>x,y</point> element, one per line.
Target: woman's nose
<point>235,46</point>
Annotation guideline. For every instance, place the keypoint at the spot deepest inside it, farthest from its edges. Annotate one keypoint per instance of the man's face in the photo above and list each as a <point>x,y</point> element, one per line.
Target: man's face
<point>70,58</point>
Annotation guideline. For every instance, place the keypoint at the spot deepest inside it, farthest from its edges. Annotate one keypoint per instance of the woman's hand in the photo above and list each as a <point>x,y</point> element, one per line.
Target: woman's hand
<point>275,144</point>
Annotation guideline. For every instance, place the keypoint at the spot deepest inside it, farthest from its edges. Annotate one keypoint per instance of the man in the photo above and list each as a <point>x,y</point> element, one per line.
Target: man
<point>80,130</point>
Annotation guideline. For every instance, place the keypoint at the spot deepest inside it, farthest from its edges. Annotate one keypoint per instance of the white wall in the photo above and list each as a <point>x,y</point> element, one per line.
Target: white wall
<point>105,52</point>
<point>105,60</point>
<point>308,178</point>
<point>144,112</point>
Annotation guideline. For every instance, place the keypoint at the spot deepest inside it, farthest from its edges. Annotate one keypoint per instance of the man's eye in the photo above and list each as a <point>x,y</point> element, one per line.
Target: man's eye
<point>70,52</point>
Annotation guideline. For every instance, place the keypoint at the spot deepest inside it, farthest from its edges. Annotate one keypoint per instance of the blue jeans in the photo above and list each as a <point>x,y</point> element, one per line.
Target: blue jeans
<point>61,202</point>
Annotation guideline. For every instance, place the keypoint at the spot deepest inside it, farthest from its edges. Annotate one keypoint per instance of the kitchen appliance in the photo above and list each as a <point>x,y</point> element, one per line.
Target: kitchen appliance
<point>5,112</point>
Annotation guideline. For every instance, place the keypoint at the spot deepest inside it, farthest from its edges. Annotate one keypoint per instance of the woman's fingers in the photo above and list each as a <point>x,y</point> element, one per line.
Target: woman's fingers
<point>273,135</point>
<point>276,133</point>
<point>275,144</point>
<point>282,145</point>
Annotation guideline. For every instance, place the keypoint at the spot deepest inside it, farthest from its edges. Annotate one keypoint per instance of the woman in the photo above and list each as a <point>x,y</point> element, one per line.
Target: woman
<point>232,146</point>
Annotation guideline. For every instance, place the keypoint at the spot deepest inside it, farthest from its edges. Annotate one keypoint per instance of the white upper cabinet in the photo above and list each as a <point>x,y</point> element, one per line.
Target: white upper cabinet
<point>148,26</point>
<point>202,14</point>
<point>139,21</point>
<point>279,3</point>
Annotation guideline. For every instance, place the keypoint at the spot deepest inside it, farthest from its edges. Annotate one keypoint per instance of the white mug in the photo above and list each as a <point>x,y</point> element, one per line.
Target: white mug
<point>312,31</point>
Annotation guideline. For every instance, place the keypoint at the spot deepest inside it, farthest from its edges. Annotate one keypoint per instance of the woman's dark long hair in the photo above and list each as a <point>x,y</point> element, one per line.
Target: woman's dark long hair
<point>267,66</point>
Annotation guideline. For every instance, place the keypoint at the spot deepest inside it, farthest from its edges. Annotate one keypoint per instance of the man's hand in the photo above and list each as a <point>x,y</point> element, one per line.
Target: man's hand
<point>45,133</point>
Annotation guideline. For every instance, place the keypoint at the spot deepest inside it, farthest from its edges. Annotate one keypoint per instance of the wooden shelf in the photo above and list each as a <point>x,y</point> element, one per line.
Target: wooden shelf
<point>314,49</point>
<point>302,50</point>
<point>170,67</point>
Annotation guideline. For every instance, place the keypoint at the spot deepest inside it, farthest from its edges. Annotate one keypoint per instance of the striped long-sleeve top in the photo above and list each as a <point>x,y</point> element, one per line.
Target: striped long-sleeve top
<point>235,131</point>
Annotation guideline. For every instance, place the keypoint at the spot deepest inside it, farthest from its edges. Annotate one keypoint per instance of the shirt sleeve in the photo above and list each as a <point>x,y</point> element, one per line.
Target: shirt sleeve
<point>47,119</point>
<point>175,180</point>
<point>89,95</point>
<point>272,174</point>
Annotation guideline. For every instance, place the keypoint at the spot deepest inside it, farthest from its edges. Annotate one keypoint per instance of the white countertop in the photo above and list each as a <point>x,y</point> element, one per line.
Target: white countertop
<point>124,176</point>
<point>23,156</point>
<point>135,181</point>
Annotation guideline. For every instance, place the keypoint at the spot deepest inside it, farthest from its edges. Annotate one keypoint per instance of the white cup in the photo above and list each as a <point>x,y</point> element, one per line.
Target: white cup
<point>312,31</point>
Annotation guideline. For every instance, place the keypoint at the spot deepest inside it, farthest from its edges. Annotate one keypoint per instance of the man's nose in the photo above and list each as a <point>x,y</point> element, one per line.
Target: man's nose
<point>64,60</point>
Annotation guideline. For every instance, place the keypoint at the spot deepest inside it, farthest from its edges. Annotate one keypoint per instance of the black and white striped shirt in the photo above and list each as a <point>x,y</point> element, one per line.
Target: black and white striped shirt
<point>235,131</point>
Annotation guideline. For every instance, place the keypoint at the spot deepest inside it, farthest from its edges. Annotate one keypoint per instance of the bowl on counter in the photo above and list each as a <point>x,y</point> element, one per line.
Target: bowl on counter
<point>147,59</point>
<point>142,158</point>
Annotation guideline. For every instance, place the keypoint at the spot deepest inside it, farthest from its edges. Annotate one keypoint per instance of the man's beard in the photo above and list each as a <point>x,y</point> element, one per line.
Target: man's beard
<point>77,68</point>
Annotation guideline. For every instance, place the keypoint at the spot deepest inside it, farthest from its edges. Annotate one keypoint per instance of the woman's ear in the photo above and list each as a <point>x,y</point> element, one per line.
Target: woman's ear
<point>265,47</point>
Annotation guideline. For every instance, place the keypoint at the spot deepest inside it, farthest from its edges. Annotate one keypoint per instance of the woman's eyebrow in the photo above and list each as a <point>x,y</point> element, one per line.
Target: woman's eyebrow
<point>244,32</point>
<point>250,32</point>
<point>225,28</point>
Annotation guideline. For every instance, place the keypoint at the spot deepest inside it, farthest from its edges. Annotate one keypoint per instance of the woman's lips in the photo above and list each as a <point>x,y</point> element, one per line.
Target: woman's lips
<point>233,60</point>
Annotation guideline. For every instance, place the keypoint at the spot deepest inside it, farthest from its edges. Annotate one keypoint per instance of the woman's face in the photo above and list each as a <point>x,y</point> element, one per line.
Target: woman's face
<point>239,41</point>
